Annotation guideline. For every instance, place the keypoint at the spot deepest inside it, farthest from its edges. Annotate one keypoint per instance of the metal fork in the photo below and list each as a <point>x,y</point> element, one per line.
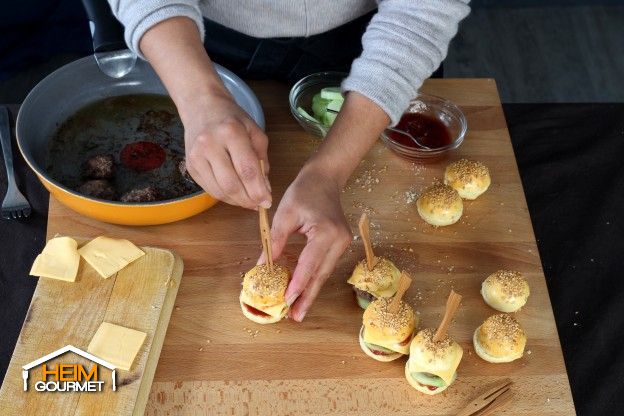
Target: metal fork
<point>14,204</point>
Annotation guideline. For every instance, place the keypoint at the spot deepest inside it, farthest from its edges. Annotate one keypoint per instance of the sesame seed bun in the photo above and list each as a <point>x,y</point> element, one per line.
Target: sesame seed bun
<point>505,290</point>
<point>500,339</point>
<point>423,389</point>
<point>381,282</point>
<point>382,358</point>
<point>264,289</point>
<point>387,329</point>
<point>468,177</point>
<point>440,205</point>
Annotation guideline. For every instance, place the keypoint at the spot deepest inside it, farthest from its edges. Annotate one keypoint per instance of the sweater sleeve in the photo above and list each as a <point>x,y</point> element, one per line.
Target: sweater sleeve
<point>404,43</point>
<point>139,16</point>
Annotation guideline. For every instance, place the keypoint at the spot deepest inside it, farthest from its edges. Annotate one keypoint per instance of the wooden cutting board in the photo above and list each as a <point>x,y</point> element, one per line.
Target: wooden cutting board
<point>140,296</point>
<point>214,361</point>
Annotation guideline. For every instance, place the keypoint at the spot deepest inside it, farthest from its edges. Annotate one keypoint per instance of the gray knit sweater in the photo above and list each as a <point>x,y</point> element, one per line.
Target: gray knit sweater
<point>404,43</point>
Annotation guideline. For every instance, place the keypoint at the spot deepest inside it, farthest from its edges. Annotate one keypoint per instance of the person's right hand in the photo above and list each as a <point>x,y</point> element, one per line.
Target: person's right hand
<point>224,147</point>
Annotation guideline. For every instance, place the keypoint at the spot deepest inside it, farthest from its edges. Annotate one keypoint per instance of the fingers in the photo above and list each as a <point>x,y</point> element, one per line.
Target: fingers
<point>303,303</point>
<point>225,162</point>
<point>247,165</point>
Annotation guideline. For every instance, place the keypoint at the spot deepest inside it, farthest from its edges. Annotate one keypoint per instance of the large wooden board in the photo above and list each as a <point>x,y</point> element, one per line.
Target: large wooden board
<point>214,361</point>
<point>140,296</point>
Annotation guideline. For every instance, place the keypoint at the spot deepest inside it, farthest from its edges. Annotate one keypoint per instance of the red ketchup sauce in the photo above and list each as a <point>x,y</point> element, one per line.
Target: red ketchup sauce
<point>142,156</point>
<point>426,129</point>
<point>255,311</point>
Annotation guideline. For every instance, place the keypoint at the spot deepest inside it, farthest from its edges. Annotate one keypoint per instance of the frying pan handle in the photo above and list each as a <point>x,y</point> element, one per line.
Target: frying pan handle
<point>106,31</point>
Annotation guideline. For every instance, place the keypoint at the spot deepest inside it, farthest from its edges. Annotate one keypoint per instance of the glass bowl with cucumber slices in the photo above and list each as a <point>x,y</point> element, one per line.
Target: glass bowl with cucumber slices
<point>316,100</point>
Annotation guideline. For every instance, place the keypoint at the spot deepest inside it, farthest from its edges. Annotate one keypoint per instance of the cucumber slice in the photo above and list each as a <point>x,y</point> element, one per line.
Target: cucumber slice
<point>332,93</point>
<point>378,348</point>
<point>329,117</point>
<point>319,106</point>
<point>362,302</point>
<point>335,105</point>
<point>428,379</point>
<point>306,115</point>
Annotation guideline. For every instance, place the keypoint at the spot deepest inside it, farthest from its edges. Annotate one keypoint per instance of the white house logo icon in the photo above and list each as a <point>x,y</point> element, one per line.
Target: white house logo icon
<point>69,377</point>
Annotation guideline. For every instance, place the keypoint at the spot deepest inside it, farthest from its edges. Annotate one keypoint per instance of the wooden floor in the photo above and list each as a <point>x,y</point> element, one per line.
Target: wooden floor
<point>536,54</point>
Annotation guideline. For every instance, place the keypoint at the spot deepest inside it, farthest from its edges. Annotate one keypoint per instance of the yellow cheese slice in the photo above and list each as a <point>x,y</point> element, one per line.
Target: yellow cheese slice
<point>391,344</point>
<point>117,344</point>
<point>443,367</point>
<point>273,310</point>
<point>108,255</point>
<point>58,260</point>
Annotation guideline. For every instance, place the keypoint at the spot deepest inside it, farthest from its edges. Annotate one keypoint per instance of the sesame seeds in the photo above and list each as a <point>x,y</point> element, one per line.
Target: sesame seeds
<point>262,281</point>
<point>503,328</point>
<point>511,283</point>
<point>465,171</point>
<point>439,196</point>
<point>377,314</point>
<point>383,274</point>
<point>438,349</point>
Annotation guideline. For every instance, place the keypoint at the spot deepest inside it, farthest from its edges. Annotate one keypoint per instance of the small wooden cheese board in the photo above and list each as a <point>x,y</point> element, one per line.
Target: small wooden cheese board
<point>140,296</point>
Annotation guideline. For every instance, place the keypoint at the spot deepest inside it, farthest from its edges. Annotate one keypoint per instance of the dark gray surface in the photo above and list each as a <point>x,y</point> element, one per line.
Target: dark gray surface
<point>552,53</point>
<point>546,54</point>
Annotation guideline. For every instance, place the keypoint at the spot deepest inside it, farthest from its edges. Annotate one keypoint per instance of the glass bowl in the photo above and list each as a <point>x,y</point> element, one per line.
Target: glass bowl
<point>441,109</point>
<point>301,96</point>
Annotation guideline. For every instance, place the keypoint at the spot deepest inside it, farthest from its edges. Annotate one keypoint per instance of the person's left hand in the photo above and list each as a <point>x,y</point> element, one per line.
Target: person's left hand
<point>310,206</point>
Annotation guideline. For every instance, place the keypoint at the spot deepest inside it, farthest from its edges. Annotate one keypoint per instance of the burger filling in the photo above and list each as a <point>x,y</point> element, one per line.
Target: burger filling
<point>378,350</point>
<point>255,311</point>
<point>428,380</point>
<point>363,297</point>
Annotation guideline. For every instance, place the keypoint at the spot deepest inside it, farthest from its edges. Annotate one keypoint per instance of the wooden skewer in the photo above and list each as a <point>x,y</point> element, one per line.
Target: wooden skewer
<point>364,226</point>
<point>265,230</point>
<point>452,304</point>
<point>404,283</point>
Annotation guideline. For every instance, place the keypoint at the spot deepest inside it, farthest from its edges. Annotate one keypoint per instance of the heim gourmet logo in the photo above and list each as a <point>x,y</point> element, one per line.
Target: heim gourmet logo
<point>68,377</point>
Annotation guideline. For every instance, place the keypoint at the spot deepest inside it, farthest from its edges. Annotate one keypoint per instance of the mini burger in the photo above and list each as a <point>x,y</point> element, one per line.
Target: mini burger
<point>262,297</point>
<point>380,282</point>
<point>500,339</point>
<point>432,365</point>
<point>385,336</point>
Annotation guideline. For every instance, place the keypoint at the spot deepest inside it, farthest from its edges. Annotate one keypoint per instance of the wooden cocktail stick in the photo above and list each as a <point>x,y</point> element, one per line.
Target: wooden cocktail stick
<point>265,230</point>
<point>404,283</point>
<point>364,226</point>
<point>452,304</point>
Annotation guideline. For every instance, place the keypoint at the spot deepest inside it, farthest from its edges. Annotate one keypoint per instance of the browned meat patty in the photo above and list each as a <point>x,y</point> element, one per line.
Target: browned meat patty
<point>148,194</point>
<point>364,294</point>
<point>98,188</point>
<point>184,171</point>
<point>99,167</point>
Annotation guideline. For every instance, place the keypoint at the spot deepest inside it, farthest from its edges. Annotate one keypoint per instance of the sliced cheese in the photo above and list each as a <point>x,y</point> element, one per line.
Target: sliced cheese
<point>108,255</point>
<point>386,342</point>
<point>117,344</point>
<point>443,367</point>
<point>58,260</point>
<point>273,310</point>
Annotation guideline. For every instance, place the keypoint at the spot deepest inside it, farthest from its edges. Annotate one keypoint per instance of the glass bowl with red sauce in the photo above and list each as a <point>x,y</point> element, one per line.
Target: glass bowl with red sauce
<point>435,122</point>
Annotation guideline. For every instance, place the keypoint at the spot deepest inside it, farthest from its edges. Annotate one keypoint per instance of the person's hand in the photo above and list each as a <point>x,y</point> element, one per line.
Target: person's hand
<point>310,206</point>
<point>224,147</point>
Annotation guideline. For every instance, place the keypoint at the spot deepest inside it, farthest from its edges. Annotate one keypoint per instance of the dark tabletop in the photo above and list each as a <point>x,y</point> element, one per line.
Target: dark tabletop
<point>571,160</point>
